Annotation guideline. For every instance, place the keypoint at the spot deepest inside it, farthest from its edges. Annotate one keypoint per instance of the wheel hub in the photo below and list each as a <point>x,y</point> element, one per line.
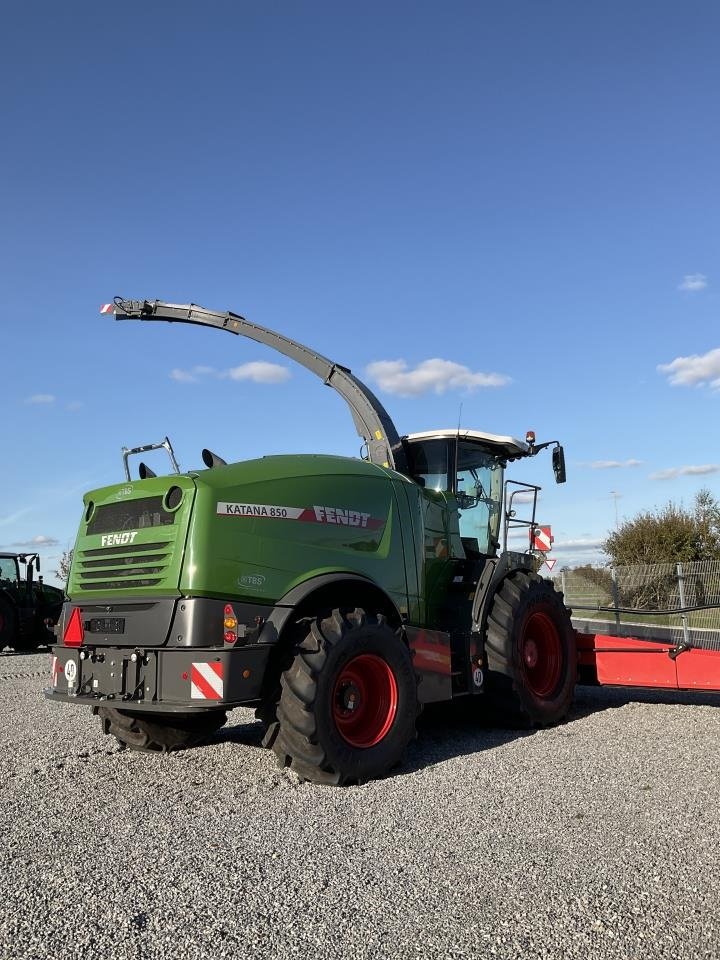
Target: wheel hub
<point>531,653</point>
<point>348,698</point>
<point>365,701</point>
<point>542,654</point>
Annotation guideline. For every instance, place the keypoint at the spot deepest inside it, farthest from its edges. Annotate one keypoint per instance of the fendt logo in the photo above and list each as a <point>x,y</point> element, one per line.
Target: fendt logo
<point>117,539</point>
<point>348,518</point>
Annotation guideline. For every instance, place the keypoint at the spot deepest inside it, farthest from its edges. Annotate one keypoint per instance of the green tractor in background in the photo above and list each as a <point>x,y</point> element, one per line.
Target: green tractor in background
<point>29,609</point>
<point>336,595</point>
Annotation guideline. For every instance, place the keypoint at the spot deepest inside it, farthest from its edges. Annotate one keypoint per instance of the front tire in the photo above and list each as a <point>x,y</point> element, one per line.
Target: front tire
<point>160,733</point>
<point>349,701</point>
<point>531,654</point>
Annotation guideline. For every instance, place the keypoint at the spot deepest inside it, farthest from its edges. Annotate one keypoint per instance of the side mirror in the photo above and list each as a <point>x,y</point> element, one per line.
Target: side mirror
<point>558,464</point>
<point>37,564</point>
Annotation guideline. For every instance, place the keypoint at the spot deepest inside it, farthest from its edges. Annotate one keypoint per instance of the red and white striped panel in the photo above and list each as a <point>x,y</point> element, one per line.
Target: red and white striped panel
<point>542,538</point>
<point>107,308</point>
<point>55,670</point>
<point>206,681</point>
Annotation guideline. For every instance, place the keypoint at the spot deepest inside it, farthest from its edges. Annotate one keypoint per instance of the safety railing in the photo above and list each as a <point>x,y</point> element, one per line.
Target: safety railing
<point>677,602</point>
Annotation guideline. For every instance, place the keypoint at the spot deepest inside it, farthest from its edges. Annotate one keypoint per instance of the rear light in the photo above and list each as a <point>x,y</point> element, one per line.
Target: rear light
<point>230,624</point>
<point>74,633</point>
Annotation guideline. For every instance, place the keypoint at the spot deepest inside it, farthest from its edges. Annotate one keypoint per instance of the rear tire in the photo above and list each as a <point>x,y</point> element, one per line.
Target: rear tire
<point>349,701</point>
<point>160,733</point>
<point>8,626</point>
<point>531,654</point>
<point>26,637</point>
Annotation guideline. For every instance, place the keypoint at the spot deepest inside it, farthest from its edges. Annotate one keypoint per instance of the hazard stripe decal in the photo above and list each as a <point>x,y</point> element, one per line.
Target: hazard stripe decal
<point>542,538</point>
<point>206,681</point>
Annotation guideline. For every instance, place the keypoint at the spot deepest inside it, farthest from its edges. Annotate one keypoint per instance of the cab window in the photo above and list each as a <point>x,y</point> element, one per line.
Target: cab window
<point>430,464</point>
<point>8,569</point>
<point>477,486</point>
<point>479,494</point>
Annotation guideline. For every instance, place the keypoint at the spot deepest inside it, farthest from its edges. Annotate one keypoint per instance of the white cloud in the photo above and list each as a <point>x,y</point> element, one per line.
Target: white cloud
<point>41,398</point>
<point>693,282</point>
<point>580,545</point>
<point>182,376</point>
<point>40,541</point>
<point>525,497</point>
<point>695,370</point>
<point>14,517</point>
<point>614,464</point>
<point>690,471</point>
<point>258,371</point>
<point>435,375</point>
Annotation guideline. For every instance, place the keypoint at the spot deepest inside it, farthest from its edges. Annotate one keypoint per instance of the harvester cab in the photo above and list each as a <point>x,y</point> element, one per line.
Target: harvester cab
<point>337,595</point>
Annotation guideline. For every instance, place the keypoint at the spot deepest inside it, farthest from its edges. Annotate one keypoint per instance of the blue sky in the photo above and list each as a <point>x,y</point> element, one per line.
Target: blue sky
<point>528,190</point>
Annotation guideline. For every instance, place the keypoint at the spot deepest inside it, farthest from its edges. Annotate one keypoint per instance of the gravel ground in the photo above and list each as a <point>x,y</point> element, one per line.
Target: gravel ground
<point>599,838</point>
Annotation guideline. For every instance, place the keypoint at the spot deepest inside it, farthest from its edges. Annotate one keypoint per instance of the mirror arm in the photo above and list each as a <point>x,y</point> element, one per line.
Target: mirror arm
<point>537,447</point>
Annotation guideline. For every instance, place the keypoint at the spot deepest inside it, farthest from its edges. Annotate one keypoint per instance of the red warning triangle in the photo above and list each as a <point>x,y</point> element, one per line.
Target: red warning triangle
<point>550,563</point>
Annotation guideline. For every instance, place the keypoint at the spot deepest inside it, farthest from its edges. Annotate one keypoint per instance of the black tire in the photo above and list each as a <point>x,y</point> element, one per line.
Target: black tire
<point>26,638</point>
<point>8,625</point>
<point>531,654</point>
<point>349,701</point>
<point>161,733</point>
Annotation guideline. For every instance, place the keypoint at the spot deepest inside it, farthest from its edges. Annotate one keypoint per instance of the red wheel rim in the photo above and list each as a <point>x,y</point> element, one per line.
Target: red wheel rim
<point>541,654</point>
<point>365,701</point>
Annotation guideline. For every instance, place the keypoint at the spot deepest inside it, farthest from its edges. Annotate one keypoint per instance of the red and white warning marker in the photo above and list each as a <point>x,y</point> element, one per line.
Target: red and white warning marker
<point>542,538</point>
<point>206,681</point>
<point>550,563</point>
<point>107,308</point>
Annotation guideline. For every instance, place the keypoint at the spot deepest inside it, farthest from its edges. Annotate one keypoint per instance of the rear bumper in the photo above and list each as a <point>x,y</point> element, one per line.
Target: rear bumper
<point>158,680</point>
<point>163,621</point>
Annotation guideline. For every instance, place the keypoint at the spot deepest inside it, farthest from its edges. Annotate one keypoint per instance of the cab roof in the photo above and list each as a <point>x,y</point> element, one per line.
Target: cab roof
<point>511,446</point>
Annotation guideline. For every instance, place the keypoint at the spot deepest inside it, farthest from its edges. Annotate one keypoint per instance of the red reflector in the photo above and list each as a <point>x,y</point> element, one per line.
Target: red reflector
<point>229,612</point>
<point>230,637</point>
<point>74,633</point>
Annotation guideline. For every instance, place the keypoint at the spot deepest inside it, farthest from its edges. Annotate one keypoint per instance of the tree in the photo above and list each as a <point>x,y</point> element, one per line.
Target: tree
<point>707,515</point>
<point>599,577</point>
<point>63,569</point>
<point>669,534</point>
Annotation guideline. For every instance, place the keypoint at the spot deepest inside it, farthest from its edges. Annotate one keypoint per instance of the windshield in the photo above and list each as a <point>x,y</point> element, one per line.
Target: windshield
<point>479,495</point>
<point>8,570</point>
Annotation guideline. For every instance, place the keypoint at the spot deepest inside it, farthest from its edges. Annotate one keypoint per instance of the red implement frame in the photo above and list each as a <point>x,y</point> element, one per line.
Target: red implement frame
<point>632,662</point>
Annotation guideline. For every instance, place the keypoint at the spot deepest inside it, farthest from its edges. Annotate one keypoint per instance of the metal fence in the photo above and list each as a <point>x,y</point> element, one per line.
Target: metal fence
<point>678,602</point>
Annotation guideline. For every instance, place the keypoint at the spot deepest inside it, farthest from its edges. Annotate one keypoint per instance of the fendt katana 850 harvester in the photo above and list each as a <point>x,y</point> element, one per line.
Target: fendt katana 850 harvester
<point>336,595</point>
